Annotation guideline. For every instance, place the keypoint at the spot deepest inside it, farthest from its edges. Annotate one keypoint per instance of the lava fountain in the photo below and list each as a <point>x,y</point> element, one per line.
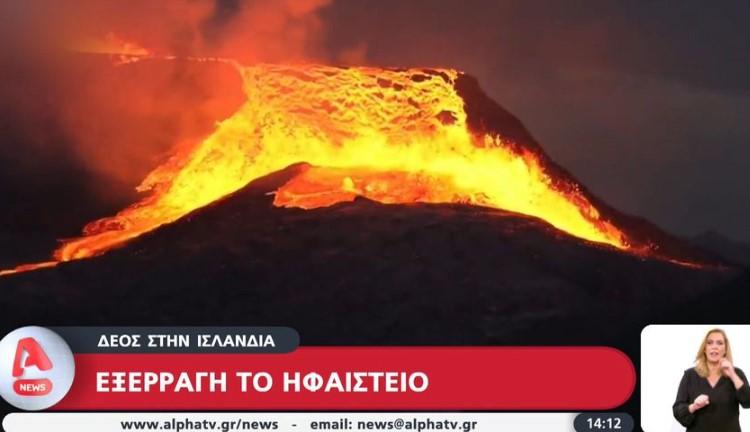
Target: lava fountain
<point>393,136</point>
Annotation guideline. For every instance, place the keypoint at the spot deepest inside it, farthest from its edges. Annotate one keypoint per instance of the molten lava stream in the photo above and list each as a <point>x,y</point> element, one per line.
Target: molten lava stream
<point>29,267</point>
<point>390,136</point>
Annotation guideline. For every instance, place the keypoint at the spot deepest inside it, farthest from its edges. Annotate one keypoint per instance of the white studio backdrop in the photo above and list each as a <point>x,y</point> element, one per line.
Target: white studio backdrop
<point>666,351</point>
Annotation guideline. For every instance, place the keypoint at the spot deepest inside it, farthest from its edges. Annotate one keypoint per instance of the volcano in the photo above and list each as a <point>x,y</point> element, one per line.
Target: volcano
<point>393,136</point>
<point>360,272</point>
<point>356,203</point>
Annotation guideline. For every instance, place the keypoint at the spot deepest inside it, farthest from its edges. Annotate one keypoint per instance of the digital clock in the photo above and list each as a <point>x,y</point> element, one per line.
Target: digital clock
<point>596,422</point>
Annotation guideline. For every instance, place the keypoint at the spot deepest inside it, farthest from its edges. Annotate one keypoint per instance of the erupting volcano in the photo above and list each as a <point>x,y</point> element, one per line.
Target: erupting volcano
<point>395,136</point>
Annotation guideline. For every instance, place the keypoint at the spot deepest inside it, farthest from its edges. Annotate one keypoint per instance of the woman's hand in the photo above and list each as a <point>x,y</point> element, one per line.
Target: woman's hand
<point>699,402</point>
<point>727,368</point>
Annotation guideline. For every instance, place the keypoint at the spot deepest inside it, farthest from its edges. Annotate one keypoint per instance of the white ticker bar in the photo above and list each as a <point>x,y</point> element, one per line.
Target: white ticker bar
<point>289,422</point>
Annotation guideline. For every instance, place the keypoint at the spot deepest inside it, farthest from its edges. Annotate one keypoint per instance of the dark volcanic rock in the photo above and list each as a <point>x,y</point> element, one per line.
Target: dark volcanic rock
<point>485,116</point>
<point>359,273</point>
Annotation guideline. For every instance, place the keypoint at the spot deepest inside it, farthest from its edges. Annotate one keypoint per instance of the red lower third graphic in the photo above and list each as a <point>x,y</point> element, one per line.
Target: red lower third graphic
<point>357,378</point>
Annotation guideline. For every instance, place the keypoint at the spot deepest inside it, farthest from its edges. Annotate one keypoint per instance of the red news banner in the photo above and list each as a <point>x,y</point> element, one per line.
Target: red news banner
<point>263,369</point>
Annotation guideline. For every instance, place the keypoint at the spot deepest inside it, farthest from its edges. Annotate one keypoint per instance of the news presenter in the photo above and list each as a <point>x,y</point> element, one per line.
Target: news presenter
<point>710,393</point>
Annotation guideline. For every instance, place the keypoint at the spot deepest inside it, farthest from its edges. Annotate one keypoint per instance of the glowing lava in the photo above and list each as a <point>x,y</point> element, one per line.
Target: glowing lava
<point>393,136</point>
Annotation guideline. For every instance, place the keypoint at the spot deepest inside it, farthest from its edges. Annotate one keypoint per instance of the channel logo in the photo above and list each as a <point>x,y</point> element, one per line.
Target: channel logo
<point>36,368</point>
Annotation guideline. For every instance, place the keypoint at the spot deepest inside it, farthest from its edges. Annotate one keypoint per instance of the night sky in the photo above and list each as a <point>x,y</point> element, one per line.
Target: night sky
<point>645,102</point>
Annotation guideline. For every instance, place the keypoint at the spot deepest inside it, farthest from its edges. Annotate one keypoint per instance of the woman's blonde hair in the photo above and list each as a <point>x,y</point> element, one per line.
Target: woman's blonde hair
<point>701,362</point>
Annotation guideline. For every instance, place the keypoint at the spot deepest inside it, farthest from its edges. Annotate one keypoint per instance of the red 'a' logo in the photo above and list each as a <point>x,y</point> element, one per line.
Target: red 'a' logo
<point>36,357</point>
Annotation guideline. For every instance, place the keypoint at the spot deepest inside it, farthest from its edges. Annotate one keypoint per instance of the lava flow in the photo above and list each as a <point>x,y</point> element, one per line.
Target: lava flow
<point>393,136</point>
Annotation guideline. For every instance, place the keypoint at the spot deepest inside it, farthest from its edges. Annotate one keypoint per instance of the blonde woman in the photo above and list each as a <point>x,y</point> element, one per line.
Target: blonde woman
<point>710,393</point>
